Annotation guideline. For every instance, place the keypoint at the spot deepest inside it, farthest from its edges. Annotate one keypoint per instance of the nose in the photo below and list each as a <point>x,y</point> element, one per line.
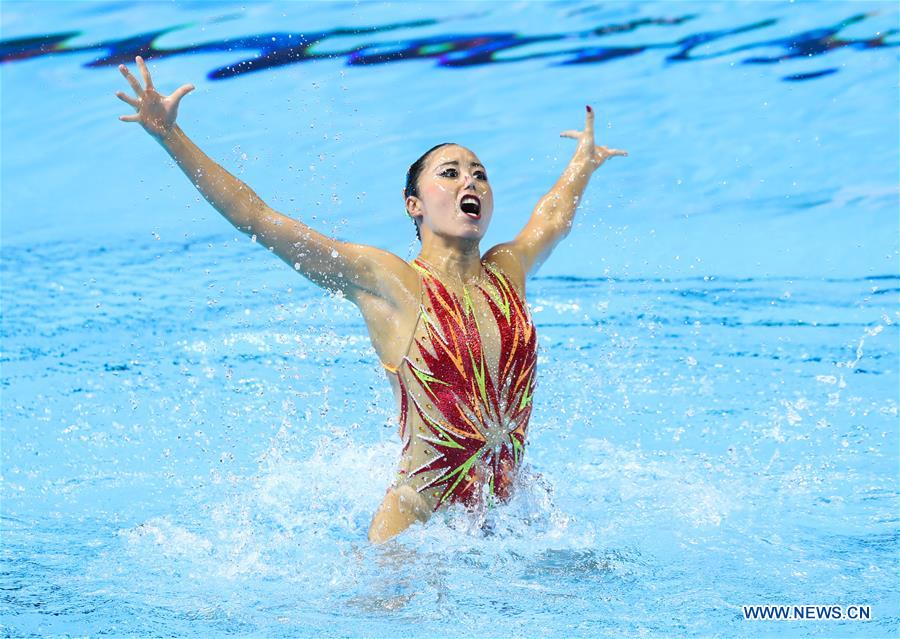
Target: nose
<point>469,180</point>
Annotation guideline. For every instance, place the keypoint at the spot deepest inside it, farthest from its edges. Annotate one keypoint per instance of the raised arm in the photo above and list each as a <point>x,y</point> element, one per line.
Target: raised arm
<point>552,218</point>
<point>353,269</point>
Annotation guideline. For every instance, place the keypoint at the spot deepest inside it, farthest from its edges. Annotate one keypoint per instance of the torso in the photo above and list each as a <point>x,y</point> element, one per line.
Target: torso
<point>464,389</point>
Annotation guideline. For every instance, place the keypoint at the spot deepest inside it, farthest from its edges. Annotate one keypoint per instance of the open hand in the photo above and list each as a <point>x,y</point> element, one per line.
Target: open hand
<point>155,112</point>
<point>594,155</point>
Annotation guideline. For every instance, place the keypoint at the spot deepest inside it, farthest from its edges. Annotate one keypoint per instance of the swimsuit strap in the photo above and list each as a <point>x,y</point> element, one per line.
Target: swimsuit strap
<point>396,369</point>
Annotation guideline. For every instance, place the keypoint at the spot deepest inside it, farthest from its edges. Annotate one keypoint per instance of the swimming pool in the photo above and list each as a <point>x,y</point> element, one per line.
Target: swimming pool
<point>194,438</point>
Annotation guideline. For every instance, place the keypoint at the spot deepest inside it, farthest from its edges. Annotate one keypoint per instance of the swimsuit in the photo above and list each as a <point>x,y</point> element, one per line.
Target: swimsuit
<point>465,401</point>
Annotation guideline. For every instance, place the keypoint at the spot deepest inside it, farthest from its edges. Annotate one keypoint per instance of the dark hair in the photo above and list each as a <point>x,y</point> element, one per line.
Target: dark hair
<point>412,177</point>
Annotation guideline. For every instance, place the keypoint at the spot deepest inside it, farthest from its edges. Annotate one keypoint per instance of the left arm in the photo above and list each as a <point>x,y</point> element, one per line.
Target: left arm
<point>552,218</point>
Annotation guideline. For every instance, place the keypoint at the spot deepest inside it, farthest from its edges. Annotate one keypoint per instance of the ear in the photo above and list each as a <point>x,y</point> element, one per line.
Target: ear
<point>414,207</point>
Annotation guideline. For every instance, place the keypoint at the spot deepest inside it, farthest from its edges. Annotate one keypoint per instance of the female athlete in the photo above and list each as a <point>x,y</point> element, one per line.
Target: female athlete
<point>451,328</point>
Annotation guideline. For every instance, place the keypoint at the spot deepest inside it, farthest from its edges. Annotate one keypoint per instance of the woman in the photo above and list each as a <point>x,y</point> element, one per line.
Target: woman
<point>452,329</point>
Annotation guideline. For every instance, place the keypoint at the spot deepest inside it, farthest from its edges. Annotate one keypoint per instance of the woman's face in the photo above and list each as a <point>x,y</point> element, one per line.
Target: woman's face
<point>455,198</point>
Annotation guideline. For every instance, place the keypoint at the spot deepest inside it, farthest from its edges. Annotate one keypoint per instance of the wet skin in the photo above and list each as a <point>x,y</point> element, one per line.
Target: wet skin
<point>384,287</point>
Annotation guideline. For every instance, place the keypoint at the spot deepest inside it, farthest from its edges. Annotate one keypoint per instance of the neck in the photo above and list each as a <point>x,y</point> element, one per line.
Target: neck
<point>459,259</point>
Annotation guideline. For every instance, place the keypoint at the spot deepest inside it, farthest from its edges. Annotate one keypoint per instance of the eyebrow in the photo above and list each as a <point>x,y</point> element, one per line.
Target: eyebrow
<point>457,164</point>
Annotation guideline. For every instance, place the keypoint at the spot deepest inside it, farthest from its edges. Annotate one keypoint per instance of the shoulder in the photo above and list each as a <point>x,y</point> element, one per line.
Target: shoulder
<point>507,259</point>
<point>388,276</point>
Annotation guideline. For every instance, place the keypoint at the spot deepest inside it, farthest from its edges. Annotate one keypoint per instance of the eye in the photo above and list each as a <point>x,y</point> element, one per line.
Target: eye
<point>446,171</point>
<point>481,175</point>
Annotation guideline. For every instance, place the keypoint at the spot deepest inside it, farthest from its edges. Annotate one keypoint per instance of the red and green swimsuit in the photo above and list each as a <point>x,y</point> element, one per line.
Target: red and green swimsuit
<point>465,401</point>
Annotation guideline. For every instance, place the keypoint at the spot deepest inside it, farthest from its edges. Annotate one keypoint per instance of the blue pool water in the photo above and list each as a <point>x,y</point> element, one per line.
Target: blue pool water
<point>194,438</point>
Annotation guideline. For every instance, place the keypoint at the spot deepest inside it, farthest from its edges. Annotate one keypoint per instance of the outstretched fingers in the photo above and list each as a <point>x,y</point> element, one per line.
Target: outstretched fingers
<point>128,100</point>
<point>589,123</point>
<point>586,138</point>
<point>132,80</point>
<point>588,133</point>
<point>181,91</point>
<point>611,152</point>
<point>144,72</point>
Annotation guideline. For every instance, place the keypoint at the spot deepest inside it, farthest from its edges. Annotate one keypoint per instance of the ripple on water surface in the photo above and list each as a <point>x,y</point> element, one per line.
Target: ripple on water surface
<point>697,444</point>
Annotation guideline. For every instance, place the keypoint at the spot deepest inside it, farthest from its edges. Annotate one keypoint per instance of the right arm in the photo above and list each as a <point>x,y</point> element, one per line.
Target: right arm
<point>356,270</point>
<point>350,268</point>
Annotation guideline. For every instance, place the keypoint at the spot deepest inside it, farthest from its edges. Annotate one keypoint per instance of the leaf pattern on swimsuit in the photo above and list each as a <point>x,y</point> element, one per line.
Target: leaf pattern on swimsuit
<point>476,424</point>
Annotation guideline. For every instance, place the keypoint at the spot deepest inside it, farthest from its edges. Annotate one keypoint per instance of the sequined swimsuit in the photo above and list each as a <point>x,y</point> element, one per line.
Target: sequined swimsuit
<point>466,384</point>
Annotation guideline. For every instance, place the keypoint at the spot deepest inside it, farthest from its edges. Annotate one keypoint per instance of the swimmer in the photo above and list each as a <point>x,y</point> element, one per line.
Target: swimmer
<point>451,328</point>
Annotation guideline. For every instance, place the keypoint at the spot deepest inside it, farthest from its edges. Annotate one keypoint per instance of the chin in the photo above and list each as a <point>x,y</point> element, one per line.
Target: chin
<point>463,234</point>
<point>473,234</point>
<point>464,229</point>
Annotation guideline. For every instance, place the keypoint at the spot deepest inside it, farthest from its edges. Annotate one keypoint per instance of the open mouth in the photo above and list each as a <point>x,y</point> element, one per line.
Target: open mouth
<point>471,206</point>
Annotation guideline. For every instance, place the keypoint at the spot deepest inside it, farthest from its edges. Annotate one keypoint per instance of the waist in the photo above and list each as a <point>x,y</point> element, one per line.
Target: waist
<point>447,469</point>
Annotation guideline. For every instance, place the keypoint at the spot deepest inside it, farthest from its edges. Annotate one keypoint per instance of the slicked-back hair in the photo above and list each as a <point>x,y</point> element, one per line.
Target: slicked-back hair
<point>412,177</point>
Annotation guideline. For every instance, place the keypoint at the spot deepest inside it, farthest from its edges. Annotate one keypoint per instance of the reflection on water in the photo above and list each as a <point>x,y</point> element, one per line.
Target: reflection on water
<point>579,47</point>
